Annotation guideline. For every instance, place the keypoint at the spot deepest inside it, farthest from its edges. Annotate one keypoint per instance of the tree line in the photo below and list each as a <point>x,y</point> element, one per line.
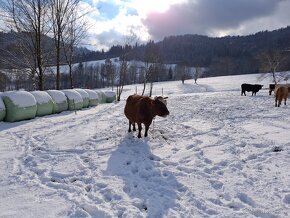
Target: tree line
<point>265,51</point>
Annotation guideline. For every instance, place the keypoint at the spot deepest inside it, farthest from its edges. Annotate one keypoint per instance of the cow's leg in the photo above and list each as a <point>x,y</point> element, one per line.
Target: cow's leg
<point>276,102</point>
<point>146,130</point>
<point>285,99</point>
<point>129,130</point>
<point>147,125</point>
<point>134,127</point>
<point>139,128</point>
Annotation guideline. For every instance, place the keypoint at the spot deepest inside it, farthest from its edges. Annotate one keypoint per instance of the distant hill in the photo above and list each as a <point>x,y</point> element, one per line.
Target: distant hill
<point>225,55</point>
<point>229,55</point>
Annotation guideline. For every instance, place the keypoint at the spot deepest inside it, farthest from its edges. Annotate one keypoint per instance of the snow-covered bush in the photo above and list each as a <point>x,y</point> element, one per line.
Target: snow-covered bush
<point>44,103</point>
<point>74,99</point>
<point>2,109</point>
<point>93,97</point>
<point>110,96</point>
<point>59,100</point>
<point>20,105</point>
<point>85,96</point>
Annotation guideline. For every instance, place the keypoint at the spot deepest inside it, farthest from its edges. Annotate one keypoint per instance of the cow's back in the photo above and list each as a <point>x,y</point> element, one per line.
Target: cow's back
<point>281,92</point>
<point>132,107</point>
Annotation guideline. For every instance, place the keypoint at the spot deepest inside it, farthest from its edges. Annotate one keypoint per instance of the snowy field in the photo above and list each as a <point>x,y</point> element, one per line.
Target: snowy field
<point>218,154</point>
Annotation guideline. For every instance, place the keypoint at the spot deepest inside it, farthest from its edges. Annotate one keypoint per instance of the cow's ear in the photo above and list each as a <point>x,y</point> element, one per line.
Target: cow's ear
<point>165,97</point>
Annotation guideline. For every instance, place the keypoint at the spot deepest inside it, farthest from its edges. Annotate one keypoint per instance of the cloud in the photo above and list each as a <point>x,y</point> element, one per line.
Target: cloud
<point>209,17</point>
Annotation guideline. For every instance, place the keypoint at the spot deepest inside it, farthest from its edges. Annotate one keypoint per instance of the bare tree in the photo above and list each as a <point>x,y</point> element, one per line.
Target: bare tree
<point>3,81</point>
<point>122,74</point>
<point>110,72</point>
<point>29,19</point>
<point>182,70</point>
<point>74,31</point>
<point>64,19</point>
<point>123,68</point>
<point>151,58</point>
<point>197,74</point>
<point>270,62</point>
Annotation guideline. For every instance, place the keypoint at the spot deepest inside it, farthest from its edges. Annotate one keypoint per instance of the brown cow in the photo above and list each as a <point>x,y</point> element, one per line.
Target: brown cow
<point>142,109</point>
<point>281,92</point>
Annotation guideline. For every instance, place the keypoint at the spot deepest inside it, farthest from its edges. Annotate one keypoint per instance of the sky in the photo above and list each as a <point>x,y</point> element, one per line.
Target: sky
<point>111,21</point>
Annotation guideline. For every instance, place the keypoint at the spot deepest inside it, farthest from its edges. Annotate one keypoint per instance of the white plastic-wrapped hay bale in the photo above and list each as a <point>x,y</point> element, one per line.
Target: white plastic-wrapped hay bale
<point>93,97</point>
<point>2,109</point>
<point>101,96</point>
<point>59,99</point>
<point>110,96</point>
<point>20,105</point>
<point>44,103</point>
<point>85,96</point>
<point>74,99</point>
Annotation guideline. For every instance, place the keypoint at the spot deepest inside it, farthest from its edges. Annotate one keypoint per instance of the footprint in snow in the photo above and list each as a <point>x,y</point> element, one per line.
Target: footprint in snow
<point>287,199</point>
<point>216,184</point>
<point>246,199</point>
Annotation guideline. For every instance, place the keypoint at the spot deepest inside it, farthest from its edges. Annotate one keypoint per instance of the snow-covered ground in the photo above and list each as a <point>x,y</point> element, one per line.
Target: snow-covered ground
<point>218,154</point>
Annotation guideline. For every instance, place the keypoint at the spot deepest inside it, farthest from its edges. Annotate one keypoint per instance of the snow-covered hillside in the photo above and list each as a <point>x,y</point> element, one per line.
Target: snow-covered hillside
<point>218,154</point>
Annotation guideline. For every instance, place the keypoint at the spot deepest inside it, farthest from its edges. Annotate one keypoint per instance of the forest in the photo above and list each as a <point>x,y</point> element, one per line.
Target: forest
<point>173,58</point>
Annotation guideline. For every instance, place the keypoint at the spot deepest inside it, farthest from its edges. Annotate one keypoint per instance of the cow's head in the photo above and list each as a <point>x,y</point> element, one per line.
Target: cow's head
<point>162,99</point>
<point>160,108</point>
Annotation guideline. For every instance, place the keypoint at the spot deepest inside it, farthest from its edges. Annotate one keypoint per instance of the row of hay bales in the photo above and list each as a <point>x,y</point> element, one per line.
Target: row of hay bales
<point>22,105</point>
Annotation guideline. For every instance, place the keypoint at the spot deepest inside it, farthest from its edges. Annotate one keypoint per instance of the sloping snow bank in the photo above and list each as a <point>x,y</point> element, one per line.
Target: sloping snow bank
<point>20,105</point>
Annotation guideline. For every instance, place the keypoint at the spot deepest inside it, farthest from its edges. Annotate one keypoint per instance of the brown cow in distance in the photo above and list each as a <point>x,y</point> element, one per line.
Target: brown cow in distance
<point>142,109</point>
<point>281,92</point>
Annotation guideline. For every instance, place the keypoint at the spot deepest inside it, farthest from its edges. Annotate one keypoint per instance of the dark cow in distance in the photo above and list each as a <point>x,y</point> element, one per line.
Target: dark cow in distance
<point>142,109</point>
<point>271,88</point>
<point>250,88</point>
